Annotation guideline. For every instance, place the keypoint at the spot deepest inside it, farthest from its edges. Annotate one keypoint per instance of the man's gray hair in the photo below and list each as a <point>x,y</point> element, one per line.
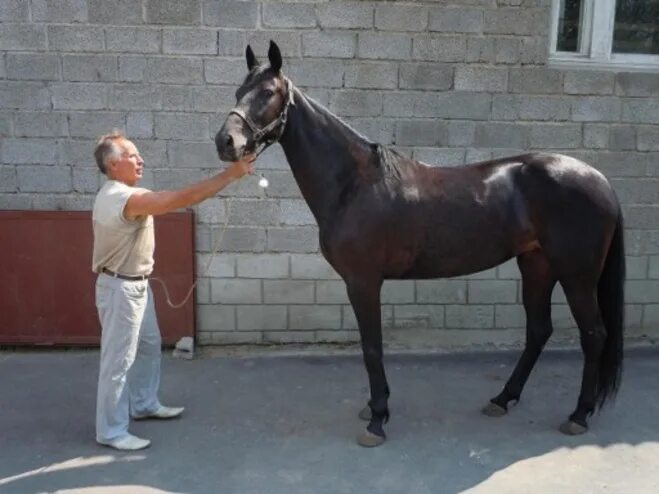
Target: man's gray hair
<point>107,148</point>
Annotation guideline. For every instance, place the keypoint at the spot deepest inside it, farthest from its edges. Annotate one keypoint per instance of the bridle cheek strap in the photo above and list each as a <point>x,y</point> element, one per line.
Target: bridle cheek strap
<point>260,136</point>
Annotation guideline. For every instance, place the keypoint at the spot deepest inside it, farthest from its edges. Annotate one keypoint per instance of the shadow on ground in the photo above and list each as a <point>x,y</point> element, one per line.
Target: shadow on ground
<point>287,425</point>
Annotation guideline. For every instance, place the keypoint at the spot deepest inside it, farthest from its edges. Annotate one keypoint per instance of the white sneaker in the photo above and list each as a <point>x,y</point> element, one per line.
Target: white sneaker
<point>162,412</point>
<point>127,443</point>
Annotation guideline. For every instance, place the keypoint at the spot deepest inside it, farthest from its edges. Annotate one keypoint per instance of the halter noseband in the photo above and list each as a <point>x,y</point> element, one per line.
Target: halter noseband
<point>260,135</point>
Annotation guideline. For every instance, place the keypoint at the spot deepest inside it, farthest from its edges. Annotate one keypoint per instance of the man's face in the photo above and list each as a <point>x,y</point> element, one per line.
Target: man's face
<point>130,166</point>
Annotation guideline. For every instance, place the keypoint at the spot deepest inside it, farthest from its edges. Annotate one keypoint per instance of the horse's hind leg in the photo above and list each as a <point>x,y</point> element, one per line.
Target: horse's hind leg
<point>581,294</point>
<point>364,295</point>
<point>537,285</point>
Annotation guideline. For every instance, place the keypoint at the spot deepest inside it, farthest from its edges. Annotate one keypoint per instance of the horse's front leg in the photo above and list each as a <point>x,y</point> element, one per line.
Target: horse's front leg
<point>364,294</point>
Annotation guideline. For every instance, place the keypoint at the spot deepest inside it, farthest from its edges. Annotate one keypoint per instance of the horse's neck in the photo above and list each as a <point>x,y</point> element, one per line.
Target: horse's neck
<point>322,153</point>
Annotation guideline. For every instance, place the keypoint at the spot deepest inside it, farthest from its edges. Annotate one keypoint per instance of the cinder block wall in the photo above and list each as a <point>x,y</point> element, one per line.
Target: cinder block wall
<point>446,82</point>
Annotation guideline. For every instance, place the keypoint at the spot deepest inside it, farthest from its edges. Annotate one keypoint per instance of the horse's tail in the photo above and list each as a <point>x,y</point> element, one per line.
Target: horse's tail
<point>611,300</point>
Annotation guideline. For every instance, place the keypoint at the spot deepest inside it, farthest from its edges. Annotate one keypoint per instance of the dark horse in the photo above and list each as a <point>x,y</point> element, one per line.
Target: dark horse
<point>384,216</point>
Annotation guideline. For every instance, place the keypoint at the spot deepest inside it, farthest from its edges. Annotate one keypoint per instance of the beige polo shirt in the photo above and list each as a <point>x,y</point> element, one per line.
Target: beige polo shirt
<point>120,245</point>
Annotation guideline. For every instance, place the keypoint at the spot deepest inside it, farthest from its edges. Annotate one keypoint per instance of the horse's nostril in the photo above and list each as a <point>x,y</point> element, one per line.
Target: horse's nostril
<point>229,141</point>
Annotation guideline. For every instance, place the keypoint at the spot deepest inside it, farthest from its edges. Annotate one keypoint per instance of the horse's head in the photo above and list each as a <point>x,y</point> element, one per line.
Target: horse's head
<point>259,116</point>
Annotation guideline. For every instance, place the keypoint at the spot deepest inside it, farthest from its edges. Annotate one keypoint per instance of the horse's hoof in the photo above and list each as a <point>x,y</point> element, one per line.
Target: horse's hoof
<point>365,413</point>
<point>572,428</point>
<point>369,440</point>
<point>494,410</point>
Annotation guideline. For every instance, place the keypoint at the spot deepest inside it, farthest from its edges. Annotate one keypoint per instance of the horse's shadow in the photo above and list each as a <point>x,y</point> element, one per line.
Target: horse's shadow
<point>288,425</point>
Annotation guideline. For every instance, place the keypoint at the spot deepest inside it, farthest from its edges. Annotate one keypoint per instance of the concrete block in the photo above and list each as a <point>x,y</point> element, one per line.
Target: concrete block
<point>288,291</point>
<point>469,316</point>
<point>192,154</point>
<point>216,317</point>
<point>33,66</point>
<point>262,317</point>
<point>312,267</point>
<point>174,70</point>
<point>94,124</point>
<point>79,96</point>
<point>29,151</point>
<point>642,291</point>
<point>622,137</point>
<point>653,271</point>
<point>648,138</point>
<point>294,212</point>
<point>239,239</point>
<point>134,97</point>
<point>487,79</point>
<point>231,43</point>
<point>507,50</point>
<point>535,80</point>
<point>139,124</point>
<point>457,20</point>
<point>288,42</point>
<point>263,266</point>
<point>78,153</point>
<point>44,178</point>
<point>596,109</point>
<point>356,103</point>
<point>86,180</point>
<point>16,201</point>
<point>391,17</point>
<point>589,82</point>
<point>397,292</point>
<point>440,156</point>
<point>14,11</point>
<point>298,240</point>
<point>555,136</point>
<point>345,15</point>
<point>379,45</point>
<point>491,291</point>
<point>437,48</point>
<point>316,73</point>
<point>254,212</point>
<point>22,37</point>
<point>288,337</point>
<point>8,179</point>
<point>181,126</point>
<point>640,110</point>
<point>131,68</point>
<point>91,68</point>
<point>534,50</point>
<point>441,291</point>
<point>314,317</point>
<point>288,15</point>
<point>215,100</point>
<point>418,316</point>
<point>480,49</point>
<point>637,84</point>
<point>132,39</point>
<point>644,217</point>
<point>6,118</point>
<point>421,133</point>
<point>126,12</point>
<point>509,316</point>
<point>329,44</point>
<point>189,41</point>
<point>514,21</point>
<point>68,11</point>
<point>236,291</point>
<point>212,211</point>
<point>371,75</point>
<point>230,13</point>
<point>347,336</point>
<point>40,124</point>
<point>76,38</point>
<point>595,136</point>
<point>176,12</point>
<point>433,77</point>
<point>349,321</point>
<point>331,292</point>
<point>500,135</point>
<point>223,71</point>
<point>216,265</point>
<point>636,267</point>
<point>375,129</point>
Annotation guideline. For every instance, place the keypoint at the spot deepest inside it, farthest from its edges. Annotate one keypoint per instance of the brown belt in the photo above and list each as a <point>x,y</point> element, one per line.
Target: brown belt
<point>124,277</point>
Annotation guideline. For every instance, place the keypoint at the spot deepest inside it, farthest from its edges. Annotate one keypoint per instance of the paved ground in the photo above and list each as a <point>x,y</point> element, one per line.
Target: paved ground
<point>286,424</point>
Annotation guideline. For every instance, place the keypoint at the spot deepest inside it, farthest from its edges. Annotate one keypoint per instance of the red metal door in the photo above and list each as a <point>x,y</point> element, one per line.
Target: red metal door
<point>47,286</point>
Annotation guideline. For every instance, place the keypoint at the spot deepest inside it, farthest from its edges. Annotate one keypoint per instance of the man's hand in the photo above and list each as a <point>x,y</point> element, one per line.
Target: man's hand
<point>243,166</point>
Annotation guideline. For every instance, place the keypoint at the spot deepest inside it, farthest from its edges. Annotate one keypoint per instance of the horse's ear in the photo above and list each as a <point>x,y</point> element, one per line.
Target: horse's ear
<point>251,58</point>
<point>274,55</point>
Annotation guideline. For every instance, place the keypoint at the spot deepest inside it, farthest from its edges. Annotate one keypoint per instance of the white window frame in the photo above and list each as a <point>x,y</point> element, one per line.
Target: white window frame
<point>595,42</point>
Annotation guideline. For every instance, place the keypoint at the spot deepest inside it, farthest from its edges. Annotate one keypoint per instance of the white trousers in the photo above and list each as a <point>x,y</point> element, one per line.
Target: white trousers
<point>129,375</point>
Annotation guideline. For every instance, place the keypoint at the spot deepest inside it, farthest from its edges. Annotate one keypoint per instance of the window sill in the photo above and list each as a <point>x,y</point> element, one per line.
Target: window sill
<point>618,63</point>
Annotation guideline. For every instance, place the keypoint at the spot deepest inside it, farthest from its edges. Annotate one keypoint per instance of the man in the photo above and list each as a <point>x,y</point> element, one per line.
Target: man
<point>129,374</point>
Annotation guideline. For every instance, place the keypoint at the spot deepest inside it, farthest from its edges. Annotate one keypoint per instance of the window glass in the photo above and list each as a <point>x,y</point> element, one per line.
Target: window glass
<point>569,25</point>
<point>636,27</point>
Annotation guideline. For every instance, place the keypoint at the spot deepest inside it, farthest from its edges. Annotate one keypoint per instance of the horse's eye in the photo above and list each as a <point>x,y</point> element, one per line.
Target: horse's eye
<point>268,93</point>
